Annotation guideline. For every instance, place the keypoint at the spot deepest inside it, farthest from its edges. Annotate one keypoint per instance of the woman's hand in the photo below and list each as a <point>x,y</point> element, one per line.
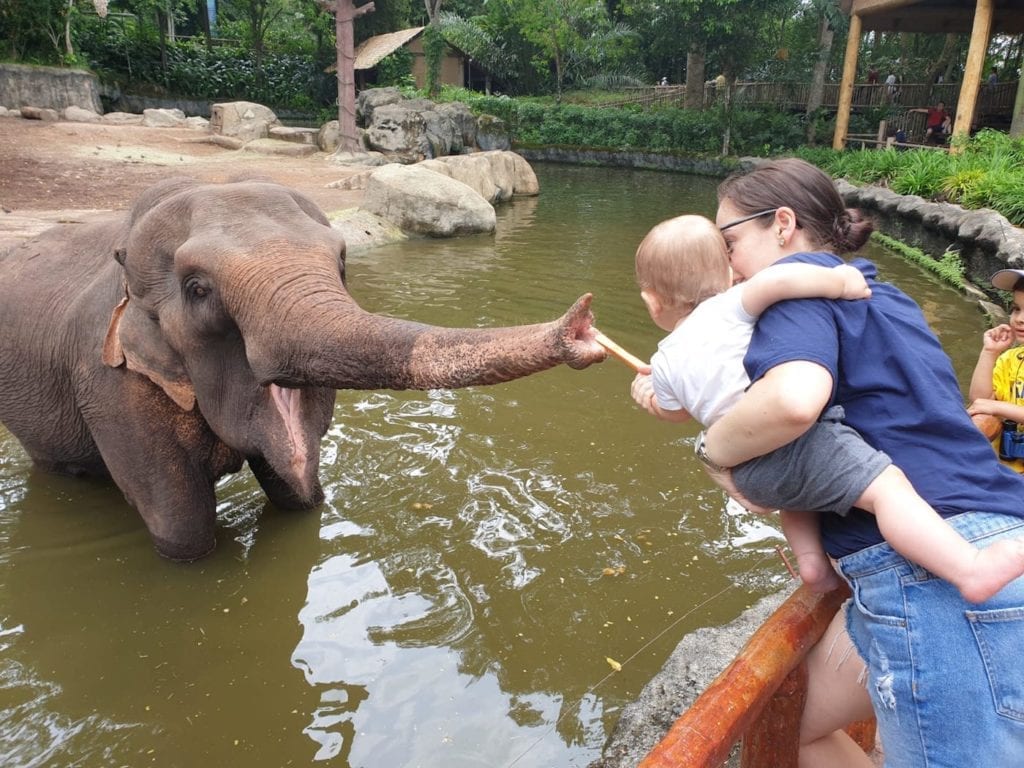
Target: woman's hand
<point>723,479</point>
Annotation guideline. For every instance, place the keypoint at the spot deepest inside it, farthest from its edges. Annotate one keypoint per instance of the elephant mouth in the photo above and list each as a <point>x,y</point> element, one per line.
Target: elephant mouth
<point>288,403</point>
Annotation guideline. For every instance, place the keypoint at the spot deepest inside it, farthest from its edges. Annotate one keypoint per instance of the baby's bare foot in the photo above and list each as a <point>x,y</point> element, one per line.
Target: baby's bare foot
<point>994,567</point>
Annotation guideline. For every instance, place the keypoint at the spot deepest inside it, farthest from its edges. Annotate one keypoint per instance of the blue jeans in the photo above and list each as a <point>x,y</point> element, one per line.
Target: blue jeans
<point>946,677</point>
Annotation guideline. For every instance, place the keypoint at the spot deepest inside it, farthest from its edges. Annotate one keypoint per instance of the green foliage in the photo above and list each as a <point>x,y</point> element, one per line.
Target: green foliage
<point>433,50</point>
<point>396,69</point>
<point>988,173</point>
<point>667,130</point>
<point>950,267</point>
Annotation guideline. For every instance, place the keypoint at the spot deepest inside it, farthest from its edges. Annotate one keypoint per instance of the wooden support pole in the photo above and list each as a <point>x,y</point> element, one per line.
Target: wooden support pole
<point>846,86</point>
<point>968,101</point>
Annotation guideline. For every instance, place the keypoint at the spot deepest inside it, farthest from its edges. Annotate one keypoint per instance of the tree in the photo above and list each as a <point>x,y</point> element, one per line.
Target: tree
<point>345,14</point>
<point>472,38</point>
<point>559,29</point>
<point>433,46</point>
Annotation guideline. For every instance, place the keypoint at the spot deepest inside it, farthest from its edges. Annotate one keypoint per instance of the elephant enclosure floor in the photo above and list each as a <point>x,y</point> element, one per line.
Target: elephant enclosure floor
<point>53,172</point>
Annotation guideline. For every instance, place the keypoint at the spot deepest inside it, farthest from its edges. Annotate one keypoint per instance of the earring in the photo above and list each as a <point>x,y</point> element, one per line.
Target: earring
<point>782,241</point>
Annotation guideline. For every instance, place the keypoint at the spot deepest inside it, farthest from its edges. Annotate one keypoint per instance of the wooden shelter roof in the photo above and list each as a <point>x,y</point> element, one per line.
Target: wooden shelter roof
<point>933,16</point>
<point>373,49</point>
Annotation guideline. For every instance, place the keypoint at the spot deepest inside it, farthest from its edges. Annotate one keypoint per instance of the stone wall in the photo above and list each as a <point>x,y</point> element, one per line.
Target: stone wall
<point>22,85</point>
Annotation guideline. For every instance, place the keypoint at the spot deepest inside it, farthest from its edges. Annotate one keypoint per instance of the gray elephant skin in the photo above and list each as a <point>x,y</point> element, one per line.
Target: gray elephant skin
<point>209,326</point>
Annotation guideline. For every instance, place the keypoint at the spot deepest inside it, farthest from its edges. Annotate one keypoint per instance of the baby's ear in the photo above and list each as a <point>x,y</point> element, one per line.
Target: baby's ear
<point>652,302</point>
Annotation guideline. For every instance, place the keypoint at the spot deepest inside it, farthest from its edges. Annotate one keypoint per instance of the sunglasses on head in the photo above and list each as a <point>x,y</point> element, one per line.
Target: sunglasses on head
<point>742,219</point>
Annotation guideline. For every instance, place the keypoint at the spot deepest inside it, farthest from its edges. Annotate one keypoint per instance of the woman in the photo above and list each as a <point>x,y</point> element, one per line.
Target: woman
<point>944,677</point>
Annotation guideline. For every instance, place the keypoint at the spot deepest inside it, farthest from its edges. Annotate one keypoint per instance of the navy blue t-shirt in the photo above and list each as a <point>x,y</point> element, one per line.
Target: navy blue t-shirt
<point>899,391</point>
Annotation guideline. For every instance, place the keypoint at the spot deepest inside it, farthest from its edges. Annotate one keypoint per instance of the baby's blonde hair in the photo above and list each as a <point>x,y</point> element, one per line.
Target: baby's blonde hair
<point>684,261</point>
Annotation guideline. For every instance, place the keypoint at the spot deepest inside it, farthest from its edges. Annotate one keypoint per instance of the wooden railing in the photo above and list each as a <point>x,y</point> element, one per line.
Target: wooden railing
<point>992,99</point>
<point>759,697</point>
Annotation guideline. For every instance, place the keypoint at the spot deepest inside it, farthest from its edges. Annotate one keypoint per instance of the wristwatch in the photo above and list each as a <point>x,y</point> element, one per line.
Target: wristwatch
<point>702,453</point>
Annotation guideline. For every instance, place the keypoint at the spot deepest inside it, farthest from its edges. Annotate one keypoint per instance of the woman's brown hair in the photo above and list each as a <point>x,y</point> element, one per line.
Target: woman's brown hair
<point>810,192</point>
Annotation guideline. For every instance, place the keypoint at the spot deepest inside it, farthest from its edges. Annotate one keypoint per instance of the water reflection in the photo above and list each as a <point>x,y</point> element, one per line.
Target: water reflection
<point>479,555</point>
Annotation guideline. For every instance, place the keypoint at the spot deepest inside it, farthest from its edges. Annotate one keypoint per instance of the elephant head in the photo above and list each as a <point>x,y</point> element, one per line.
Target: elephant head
<point>234,304</point>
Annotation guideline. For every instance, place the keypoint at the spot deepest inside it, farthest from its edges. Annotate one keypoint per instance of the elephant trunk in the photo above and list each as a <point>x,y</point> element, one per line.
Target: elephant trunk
<point>324,339</point>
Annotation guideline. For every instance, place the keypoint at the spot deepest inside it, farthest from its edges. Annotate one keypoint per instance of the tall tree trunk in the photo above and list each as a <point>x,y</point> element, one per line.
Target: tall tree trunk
<point>816,95</point>
<point>345,14</point>
<point>941,65</point>
<point>694,77</point>
<point>203,9</point>
<point>1017,124</point>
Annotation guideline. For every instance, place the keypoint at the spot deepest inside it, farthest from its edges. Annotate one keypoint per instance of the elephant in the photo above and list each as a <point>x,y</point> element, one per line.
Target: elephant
<point>207,326</point>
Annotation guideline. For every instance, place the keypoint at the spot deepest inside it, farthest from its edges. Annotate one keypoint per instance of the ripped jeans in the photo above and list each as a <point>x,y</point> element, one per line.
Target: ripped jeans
<point>946,677</point>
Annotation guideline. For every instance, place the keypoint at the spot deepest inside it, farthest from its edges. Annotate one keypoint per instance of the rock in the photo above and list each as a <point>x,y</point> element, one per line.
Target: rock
<point>328,136</point>
<point>40,113</point>
<point>443,135</point>
<point>396,128</point>
<point>355,181</point>
<point>5,112</point>
<point>163,118</point>
<point>371,98</point>
<point>693,665</point>
<point>197,123</point>
<point>492,133</point>
<point>228,142</point>
<point>275,147</point>
<point>243,119</point>
<point>362,229</point>
<point>295,135</point>
<point>80,115</point>
<point>427,203</point>
<point>122,118</point>
<point>359,158</point>
<point>463,118</point>
<point>496,176</point>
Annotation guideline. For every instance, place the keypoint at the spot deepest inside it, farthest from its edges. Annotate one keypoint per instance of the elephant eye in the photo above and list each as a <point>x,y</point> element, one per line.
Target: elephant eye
<point>194,288</point>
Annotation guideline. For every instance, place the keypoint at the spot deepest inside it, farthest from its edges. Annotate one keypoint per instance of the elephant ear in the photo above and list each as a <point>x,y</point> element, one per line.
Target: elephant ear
<point>135,340</point>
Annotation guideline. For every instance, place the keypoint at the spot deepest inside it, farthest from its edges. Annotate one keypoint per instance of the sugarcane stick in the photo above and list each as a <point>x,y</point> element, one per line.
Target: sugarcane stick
<point>629,359</point>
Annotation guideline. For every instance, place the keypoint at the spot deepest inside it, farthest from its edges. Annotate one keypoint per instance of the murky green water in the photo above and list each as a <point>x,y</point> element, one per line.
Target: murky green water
<point>452,603</point>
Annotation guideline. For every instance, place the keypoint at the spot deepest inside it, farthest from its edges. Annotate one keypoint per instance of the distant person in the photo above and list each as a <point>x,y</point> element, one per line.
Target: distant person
<point>997,385</point>
<point>993,77</point>
<point>892,87</point>
<point>663,81</point>
<point>937,123</point>
<point>873,76</point>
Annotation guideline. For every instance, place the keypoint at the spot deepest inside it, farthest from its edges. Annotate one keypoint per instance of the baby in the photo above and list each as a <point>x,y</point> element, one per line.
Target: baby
<point>683,271</point>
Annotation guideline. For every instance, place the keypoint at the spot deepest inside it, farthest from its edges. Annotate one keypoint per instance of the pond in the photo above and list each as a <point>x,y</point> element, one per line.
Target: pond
<point>480,554</point>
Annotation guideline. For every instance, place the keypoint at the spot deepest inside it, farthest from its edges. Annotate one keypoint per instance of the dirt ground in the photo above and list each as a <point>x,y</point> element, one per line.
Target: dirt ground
<point>52,171</point>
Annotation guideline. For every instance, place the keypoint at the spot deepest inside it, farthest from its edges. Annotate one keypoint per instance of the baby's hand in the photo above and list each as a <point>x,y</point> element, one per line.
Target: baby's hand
<point>998,339</point>
<point>854,284</point>
<point>642,390</point>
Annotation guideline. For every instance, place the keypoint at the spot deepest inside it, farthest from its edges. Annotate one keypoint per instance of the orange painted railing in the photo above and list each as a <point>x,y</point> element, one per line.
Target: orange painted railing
<point>759,697</point>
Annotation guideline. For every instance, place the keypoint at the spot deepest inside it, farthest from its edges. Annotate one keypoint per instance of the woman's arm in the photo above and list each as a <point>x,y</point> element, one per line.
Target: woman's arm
<point>801,281</point>
<point>774,411</point>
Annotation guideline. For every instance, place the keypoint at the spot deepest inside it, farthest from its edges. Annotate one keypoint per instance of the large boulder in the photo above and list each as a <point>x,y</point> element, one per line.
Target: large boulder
<point>464,119</point>
<point>54,88</point>
<point>492,133</point>
<point>370,99</point>
<point>497,176</point>
<point>163,118</point>
<point>245,120</point>
<point>79,115</point>
<point>424,202</point>
<point>396,128</point>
